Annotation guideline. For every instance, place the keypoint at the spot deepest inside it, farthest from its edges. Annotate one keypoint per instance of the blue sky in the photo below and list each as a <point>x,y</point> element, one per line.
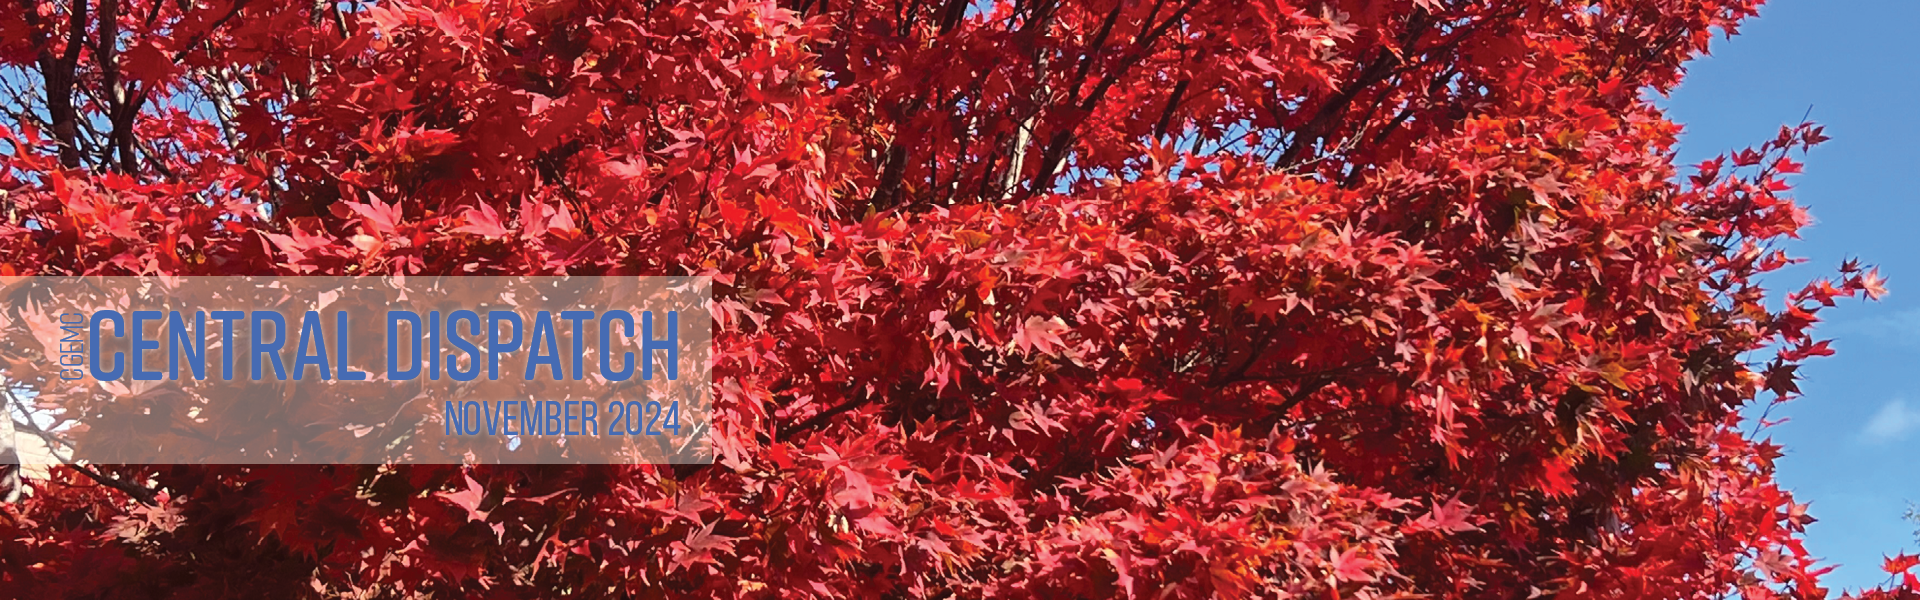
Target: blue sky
<point>1853,442</point>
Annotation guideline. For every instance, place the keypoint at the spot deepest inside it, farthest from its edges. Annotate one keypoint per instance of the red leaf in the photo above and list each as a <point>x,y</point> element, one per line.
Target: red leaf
<point>468,499</point>
<point>1451,517</point>
<point>1352,565</point>
<point>1897,565</point>
<point>1040,335</point>
<point>481,220</point>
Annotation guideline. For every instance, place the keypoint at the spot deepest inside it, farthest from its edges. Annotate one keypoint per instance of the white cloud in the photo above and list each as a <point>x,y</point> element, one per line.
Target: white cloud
<point>1894,421</point>
<point>1900,327</point>
<point>1903,324</point>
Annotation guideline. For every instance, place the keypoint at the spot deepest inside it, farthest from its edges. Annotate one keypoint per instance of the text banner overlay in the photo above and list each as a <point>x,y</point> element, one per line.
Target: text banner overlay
<point>360,370</point>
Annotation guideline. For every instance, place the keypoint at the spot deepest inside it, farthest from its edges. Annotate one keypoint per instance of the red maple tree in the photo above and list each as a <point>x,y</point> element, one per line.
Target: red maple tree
<point>1042,298</point>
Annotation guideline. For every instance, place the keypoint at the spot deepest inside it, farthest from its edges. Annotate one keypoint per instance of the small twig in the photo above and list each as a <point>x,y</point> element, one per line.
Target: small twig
<point>138,493</point>
<point>819,419</point>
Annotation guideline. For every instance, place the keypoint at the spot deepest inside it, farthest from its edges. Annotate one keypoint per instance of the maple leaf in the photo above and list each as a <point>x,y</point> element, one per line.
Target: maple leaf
<point>468,499</point>
<point>630,170</point>
<point>481,220</point>
<point>1899,565</point>
<point>380,218</point>
<point>389,18</point>
<point>1451,516</point>
<point>700,547</point>
<point>1555,478</point>
<point>149,64</point>
<point>1352,565</point>
<point>1872,284</point>
<point>1040,335</point>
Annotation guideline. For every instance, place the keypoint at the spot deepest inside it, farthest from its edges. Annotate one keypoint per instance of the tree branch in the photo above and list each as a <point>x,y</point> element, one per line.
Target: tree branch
<point>57,72</point>
<point>820,419</point>
<point>1173,103</point>
<point>1056,151</point>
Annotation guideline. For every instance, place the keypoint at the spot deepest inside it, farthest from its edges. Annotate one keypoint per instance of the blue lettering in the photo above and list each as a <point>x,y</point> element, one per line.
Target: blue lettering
<point>270,349</point>
<point>473,352</point>
<point>543,331</point>
<point>578,318</point>
<point>554,417</point>
<point>606,345</point>
<point>671,344</point>
<point>341,370</point>
<point>194,349</point>
<point>93,344</point>
<point>226,318</point>
<point>590,426</point>
<point>313,348</point>
<point>497,346</point>
<point>394,372</point>
<point>141,344</point>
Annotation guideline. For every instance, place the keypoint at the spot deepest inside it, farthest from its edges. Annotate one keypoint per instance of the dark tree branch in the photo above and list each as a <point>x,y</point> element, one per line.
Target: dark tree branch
<point>122,104</point>
<point>1056,149</point>
<point>139,493</point>
<point>58,74</point>
<point>1173,103</point>
<point>821,418</point>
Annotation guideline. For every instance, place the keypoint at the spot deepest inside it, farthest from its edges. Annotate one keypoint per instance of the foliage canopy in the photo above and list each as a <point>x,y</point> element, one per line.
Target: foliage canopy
<point>1044,298</point>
